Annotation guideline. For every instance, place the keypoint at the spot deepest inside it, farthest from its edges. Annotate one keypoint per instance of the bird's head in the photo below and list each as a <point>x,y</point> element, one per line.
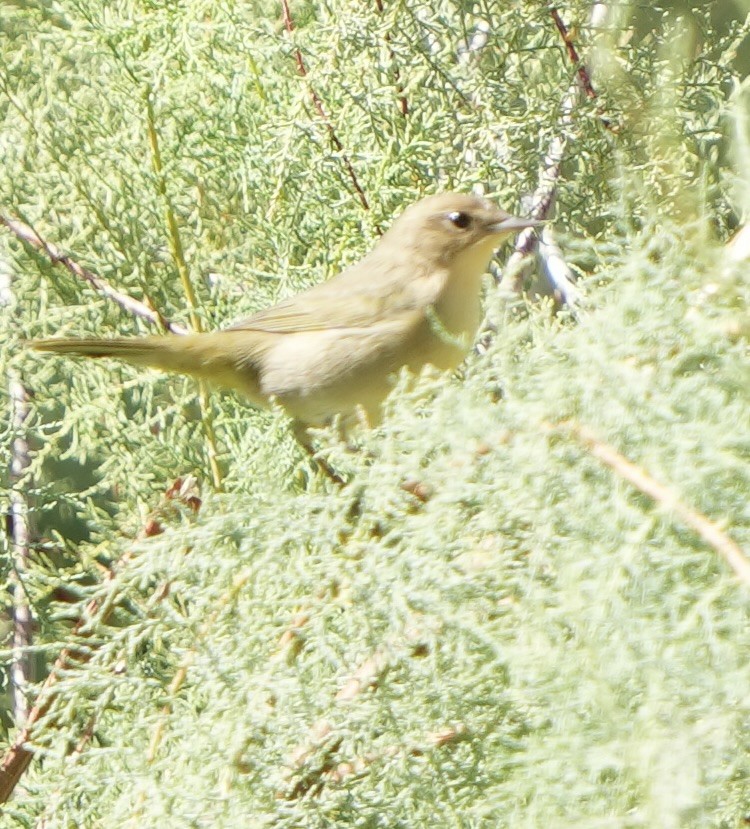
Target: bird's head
<point>448,225</point>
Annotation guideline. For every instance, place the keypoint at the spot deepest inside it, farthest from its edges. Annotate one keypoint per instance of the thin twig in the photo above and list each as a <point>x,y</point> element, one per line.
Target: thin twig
<point>583,75</point>
<point>708,530</point>
<point>133,306</point>
<point>173,232</point>
<point>516,270</point>
<point>20,537</point>
<point>318,104</point>
<point>313,761</point>
<point>178,255</point>
<point>313,764</point>
<point>403,104</point>
<point>367,675</point>
<point>450,735</point>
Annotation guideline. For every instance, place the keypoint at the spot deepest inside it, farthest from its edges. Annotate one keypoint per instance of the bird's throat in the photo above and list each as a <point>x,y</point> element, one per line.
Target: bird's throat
<point>458,305</point>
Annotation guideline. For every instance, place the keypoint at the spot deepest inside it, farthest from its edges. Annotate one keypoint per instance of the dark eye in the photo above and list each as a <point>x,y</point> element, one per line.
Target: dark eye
<point>459,219</point>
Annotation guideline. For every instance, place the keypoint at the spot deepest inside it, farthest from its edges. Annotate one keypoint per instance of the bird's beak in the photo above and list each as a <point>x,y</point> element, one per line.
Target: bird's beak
<point>511,223</point>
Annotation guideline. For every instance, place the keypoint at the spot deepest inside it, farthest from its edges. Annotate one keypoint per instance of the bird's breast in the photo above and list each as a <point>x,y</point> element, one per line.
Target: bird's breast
<point>457,302</point>
<point>320,373</point>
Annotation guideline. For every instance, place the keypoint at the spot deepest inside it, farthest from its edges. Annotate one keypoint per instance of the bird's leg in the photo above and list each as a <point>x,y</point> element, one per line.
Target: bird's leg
<point>302,435</point>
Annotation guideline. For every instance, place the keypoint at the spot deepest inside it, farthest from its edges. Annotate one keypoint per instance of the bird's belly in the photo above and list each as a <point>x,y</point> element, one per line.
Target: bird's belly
<point>318,374</point>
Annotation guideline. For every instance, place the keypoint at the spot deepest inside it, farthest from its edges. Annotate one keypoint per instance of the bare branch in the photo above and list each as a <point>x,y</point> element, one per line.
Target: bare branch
<point>18,757</point>
<point>133,306</point>
<point>708,530</point>
<point>20,537</point>
<point>302,69</point>
<point>581,70</point>
<point>557,272</point>
<point>583,74</point>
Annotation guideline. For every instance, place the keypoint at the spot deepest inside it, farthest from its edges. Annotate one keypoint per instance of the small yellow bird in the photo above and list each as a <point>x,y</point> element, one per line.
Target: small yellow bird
<point>333,349</point>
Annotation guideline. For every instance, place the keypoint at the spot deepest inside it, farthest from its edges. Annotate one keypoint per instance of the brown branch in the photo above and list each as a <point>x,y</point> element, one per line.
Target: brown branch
<point>708,530</point>
<point>313,764</point>
<point>133,306</point>
<point>18,757</point>
<point>292,639</point>
<point>516,270</point>
<point>318,104</point>
<point>583,74</point>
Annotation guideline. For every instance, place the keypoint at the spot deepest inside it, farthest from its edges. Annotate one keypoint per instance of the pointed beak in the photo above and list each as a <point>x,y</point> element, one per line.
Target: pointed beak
<point>508,224</point>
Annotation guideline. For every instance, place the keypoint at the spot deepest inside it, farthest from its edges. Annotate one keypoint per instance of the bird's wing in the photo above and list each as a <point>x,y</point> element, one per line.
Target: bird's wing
<point>349,300</point>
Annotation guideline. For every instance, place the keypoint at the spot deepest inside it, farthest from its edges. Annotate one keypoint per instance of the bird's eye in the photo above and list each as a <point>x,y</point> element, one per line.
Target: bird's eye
<point>459,219</point>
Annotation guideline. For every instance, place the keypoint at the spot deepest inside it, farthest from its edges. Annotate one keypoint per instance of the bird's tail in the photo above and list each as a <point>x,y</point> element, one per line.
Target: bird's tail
<point>221,357</point>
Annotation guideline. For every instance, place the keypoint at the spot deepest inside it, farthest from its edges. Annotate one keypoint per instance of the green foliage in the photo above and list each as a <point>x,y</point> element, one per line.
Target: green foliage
<point>532,641</point>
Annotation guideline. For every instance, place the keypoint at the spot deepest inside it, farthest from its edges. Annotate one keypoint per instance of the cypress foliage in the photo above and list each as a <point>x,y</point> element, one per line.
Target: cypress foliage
<point>528,606</point>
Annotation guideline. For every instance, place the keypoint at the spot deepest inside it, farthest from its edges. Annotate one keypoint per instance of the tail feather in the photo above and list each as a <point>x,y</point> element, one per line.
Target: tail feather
<point>230,363</point>
<point>125,349</point>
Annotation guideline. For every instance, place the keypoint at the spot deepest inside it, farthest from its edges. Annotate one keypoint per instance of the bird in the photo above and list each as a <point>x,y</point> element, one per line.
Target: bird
<point>331,352</point>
